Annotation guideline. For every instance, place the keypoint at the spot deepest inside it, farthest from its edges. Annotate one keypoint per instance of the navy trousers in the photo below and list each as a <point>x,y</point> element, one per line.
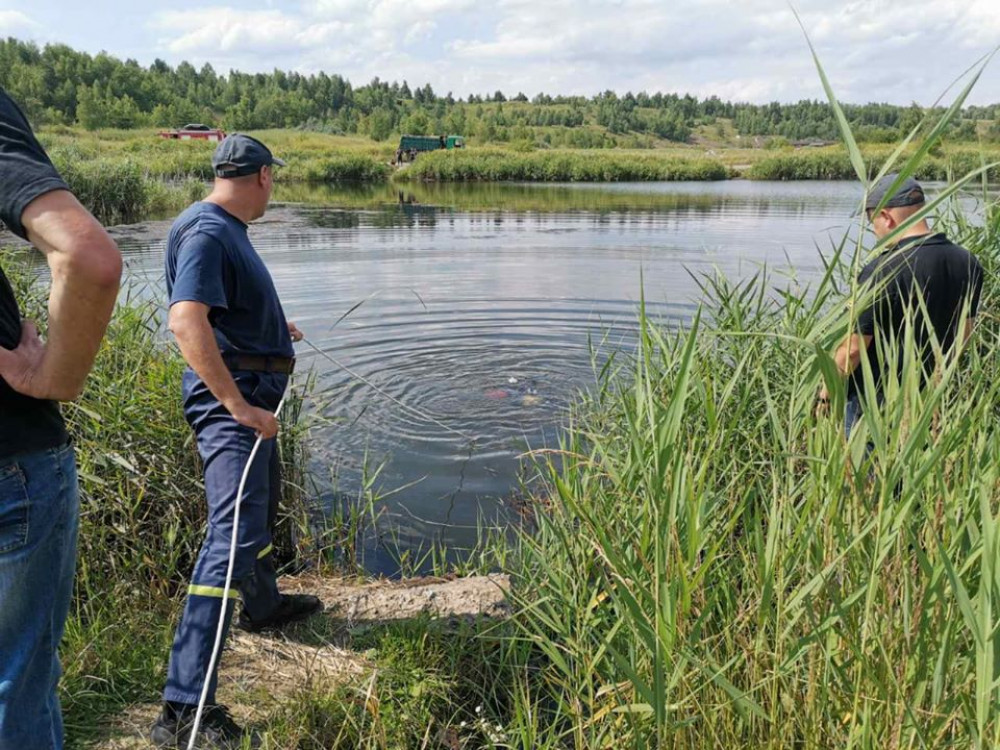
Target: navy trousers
<point>225,448</point>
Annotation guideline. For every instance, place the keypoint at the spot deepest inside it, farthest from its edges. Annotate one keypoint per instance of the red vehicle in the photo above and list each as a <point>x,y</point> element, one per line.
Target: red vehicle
<point>194,132</point>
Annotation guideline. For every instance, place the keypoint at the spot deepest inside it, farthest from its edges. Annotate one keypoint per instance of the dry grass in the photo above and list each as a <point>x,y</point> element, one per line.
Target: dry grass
<point>259,673</point>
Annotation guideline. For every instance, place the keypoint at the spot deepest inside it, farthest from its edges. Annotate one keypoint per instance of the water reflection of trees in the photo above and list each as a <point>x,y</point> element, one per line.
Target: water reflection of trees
<point>389,217</point>
<point>419,204</point>
<point>408,216</point>
<point>334,219</point>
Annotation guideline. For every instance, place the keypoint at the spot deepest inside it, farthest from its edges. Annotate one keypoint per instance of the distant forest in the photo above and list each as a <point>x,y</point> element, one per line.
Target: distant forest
<point>58,85</point>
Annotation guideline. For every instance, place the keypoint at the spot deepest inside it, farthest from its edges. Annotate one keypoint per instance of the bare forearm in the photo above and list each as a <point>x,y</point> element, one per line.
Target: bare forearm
<point>845,361</point>
<point>79,313</point>
<point>200,350</point>
<point>848,354</point>
<point>189,323</point>
<point>86,270</point>
<point>847,357</point>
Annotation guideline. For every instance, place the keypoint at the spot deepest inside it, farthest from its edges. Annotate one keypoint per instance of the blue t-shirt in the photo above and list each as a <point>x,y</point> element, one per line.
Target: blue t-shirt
<point>210,260</point>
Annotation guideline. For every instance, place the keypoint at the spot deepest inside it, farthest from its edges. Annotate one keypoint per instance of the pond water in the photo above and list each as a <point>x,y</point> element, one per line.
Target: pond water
<point>482,306</point>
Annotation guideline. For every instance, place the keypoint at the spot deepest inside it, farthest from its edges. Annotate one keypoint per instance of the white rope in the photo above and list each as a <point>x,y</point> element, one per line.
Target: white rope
<point>225,590</point>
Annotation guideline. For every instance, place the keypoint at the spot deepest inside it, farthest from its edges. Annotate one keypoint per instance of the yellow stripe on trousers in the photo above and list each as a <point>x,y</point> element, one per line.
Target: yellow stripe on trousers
<point>213,591</point>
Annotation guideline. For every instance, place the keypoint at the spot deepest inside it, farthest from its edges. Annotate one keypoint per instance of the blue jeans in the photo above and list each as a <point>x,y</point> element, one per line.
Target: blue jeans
<point>852,415</point>
<point>39,519</point>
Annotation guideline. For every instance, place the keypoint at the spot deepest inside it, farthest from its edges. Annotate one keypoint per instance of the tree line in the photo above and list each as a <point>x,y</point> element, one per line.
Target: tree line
<point>59,85</point>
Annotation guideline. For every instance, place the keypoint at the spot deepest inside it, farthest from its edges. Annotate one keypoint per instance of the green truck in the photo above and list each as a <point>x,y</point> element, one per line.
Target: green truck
<point>411,145</point>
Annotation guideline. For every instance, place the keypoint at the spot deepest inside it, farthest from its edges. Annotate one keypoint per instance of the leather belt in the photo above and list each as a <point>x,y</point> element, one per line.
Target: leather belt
<point>259,363</point>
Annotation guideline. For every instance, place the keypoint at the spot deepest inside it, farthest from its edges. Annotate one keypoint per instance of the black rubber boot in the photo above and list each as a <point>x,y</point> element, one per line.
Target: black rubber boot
<point>172,729</point>
<point>293,608</point>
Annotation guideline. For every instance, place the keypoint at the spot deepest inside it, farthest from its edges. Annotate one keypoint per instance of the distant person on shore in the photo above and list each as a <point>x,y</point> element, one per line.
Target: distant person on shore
<point>231,330</point>
<point>920,268</point>
<point>39,498</point>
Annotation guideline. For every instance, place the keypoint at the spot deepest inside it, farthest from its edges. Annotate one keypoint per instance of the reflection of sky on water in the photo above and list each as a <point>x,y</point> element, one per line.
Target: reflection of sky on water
<point>459,297</point>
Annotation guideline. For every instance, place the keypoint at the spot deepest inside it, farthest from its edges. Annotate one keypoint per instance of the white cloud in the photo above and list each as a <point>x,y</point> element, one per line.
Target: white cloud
<point>230,30</point>
<point>419,30</point>
<point>14,23</point>
<point>885,50</point>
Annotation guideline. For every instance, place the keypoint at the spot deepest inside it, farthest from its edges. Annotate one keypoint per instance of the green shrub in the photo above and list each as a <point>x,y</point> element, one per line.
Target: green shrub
<point>116,192</point>
<point>804,165</point>
<point>558,166</point>
<point>347,167</point>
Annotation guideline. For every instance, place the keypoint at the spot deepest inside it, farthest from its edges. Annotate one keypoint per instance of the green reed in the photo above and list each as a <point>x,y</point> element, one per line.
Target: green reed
<point>826,164</point>
<point>559,166</point>
<point>715,566</point>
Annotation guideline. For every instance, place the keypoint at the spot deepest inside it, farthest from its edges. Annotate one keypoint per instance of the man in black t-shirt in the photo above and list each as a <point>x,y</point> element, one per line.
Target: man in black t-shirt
<point>921,280</point>
<point>38,487</point>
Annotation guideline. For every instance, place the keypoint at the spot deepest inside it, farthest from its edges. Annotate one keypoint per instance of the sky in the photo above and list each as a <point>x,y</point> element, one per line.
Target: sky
<point>897,51</point>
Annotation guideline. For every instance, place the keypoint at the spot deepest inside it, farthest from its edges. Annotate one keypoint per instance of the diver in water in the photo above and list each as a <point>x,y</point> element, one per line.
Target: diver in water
<point>526,391</point>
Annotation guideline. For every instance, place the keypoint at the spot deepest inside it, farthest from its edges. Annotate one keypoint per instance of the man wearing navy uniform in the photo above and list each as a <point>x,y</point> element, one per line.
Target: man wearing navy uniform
<point>231,330</point>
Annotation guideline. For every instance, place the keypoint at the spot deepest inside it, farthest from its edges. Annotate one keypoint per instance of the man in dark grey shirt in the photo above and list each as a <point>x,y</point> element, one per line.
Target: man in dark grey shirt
<point>37,466</point>
<point>922,279</point>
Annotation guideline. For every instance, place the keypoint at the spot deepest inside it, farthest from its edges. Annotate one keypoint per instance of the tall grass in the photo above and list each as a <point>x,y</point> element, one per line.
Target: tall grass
<point>126,176</point>
<point>121,191</point>
<point>826,164</point>
<point>558,166</point>
<point>347,167</point>
<point>715,566</point>
<point>310,156</point>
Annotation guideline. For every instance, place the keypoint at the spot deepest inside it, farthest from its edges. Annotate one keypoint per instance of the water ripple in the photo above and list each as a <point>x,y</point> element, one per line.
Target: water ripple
<point>457,304</point>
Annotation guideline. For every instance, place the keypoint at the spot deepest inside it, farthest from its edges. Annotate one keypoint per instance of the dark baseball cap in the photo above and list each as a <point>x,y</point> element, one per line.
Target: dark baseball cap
<point>909,193</point>
<point>239,155</point>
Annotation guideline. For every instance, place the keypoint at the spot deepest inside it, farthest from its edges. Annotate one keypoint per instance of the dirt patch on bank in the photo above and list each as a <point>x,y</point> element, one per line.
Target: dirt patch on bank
<point>442,598</point>
<point>260,671</point>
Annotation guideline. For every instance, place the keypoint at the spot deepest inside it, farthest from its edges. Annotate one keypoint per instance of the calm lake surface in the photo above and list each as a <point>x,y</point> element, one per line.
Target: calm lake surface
<point>464,290</point>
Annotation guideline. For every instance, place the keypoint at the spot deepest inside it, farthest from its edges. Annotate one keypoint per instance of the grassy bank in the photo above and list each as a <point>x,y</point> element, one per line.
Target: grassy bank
<point>122,192</point>
<point>310,156</point>
<point>835,164</point>
<point>558,166</point>
<point>129,176</point>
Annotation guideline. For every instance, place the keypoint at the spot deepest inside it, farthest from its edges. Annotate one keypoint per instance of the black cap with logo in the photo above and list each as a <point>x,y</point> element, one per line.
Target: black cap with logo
<point>239,155</point>
<point>909,193</point>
